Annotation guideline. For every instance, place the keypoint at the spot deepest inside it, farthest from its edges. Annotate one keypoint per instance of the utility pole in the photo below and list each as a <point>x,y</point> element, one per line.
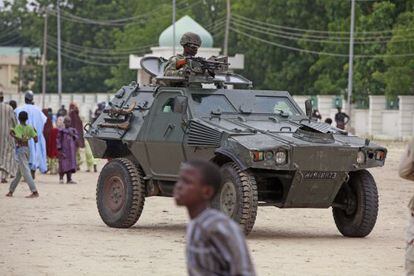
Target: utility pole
<point>59,58</point>
<point>20,75</point>
<point>226,31</point>
<point>44,60</point>
<point>351,57</point>
<point>173,24</point>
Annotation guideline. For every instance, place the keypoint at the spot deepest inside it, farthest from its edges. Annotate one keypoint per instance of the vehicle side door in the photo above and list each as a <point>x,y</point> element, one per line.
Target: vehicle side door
<point>164,136</point>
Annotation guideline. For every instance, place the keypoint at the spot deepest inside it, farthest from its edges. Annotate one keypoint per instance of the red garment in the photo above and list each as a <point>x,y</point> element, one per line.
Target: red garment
<point>48,125</point>
<point>51,147</point>
<point>77,124</point>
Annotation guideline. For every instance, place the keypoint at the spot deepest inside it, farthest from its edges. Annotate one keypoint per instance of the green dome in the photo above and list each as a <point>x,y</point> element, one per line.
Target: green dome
<point>183,25</point>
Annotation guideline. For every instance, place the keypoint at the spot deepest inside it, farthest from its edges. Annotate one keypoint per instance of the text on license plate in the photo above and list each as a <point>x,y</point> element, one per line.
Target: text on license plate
<point>319,175</point>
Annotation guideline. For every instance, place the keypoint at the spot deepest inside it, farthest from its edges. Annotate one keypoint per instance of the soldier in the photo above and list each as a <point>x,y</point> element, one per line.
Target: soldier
<point>176,64</point>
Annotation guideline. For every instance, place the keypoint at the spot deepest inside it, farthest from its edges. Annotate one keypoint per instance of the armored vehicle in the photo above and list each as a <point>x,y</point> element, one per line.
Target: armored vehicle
<point>271,153</point>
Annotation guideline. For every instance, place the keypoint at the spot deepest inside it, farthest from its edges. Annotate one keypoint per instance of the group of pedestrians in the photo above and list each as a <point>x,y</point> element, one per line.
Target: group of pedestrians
<point>40,140</point>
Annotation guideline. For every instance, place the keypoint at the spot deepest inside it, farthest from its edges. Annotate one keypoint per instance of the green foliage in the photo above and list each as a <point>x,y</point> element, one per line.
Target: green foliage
<point>398,76</point>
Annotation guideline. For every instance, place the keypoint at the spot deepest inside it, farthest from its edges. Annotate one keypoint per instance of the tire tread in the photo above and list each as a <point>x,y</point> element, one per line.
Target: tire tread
<point>132,214</point>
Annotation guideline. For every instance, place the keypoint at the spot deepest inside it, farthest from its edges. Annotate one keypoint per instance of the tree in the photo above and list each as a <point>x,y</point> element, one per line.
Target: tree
<point>296,45</point>
<point>399,59</point>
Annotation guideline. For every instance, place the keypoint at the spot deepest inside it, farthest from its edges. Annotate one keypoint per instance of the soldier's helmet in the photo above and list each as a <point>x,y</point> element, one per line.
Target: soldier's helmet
<point>190,38</point>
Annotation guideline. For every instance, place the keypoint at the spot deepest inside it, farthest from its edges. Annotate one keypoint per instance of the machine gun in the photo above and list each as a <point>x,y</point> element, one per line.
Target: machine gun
<point>211,66</point>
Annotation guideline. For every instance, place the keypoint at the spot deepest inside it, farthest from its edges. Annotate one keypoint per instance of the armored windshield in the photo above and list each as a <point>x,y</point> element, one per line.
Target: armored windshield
<point>274,105</point>
<point>205,104</point>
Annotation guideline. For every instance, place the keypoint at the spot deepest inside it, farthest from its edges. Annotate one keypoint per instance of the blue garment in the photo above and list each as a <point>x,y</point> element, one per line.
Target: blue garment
<point>54,119</point>
<point>37,120</point>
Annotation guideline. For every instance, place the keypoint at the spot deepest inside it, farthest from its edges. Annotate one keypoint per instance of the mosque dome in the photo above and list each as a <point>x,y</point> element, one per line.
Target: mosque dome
<point>183,25</point>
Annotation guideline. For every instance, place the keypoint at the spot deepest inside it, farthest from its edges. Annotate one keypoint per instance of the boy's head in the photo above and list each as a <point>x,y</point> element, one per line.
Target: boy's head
<point>198,182</point>
<point>23,117</point>
<point>67,121</point>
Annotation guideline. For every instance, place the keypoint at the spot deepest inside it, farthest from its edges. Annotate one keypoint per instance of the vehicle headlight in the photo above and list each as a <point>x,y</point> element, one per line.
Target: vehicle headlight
<point>257,155</point>
<point>281,157</point>
<point>360,157</point>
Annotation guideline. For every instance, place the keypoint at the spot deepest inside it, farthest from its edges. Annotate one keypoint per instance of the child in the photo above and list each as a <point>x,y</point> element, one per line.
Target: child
<point>22,133</point>
<point>215,243</point>
<point>66,145</point>
<point>90,160</point>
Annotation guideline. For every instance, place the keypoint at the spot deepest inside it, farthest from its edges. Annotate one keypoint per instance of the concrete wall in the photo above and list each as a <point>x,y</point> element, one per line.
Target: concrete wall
<point>390,124</point>
<point>406,116</point>
<point>360,121</point>
<point>377,121</point>
<point>376,107</point>
<point>300,100</point>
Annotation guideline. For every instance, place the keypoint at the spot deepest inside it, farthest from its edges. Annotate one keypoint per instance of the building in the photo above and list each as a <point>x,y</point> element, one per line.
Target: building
<point>10,58</point>
<point>165,48</point>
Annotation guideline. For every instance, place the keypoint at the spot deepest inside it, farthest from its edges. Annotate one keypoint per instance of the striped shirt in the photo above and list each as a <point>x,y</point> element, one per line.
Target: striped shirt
<point>216,246</point>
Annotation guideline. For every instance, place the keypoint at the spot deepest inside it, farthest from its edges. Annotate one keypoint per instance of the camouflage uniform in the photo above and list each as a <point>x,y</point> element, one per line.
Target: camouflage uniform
<point>171,69</point>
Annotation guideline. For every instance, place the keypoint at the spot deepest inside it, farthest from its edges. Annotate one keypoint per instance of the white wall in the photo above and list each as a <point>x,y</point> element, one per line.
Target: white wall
<point>360,121</point>
<point>390,124</point>
<point>300,100</point>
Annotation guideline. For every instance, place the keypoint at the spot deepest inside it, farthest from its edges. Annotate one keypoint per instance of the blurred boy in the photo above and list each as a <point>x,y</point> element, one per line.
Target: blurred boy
<point>22,133</point>
<point>215,243</point>
<point>406,171</point>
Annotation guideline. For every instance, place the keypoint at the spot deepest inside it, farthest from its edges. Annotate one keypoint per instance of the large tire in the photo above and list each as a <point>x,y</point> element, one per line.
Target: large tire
<point>360,195</point>
<point>120,193</point>
<point>237,197</point>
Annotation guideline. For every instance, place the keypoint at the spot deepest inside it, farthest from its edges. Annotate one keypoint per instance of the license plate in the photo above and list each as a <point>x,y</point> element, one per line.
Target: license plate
<point>319,175</point>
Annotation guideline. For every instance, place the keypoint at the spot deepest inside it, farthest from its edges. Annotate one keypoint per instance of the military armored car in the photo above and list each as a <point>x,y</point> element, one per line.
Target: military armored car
<point>271,153</point>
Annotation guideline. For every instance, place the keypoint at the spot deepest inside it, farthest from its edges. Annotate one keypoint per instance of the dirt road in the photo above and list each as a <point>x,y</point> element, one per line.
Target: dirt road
<point>61,233</point>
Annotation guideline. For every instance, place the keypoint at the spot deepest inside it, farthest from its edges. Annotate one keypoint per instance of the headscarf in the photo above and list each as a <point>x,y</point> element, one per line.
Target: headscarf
<point>77,123</point>
<point>48,125</point>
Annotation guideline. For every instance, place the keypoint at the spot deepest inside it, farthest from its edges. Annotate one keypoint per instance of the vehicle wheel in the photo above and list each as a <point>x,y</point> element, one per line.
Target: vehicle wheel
<point>358,201</point>
<point>237,197</point>
<point>120,193</point>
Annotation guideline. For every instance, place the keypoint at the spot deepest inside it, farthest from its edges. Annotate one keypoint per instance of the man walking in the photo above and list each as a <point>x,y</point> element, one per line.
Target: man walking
<point>36,119</point>
<point>7,122</point>
<point>215,243</point>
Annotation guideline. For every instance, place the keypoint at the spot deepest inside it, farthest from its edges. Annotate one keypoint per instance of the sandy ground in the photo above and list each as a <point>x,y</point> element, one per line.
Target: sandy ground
<point>61,233</point>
